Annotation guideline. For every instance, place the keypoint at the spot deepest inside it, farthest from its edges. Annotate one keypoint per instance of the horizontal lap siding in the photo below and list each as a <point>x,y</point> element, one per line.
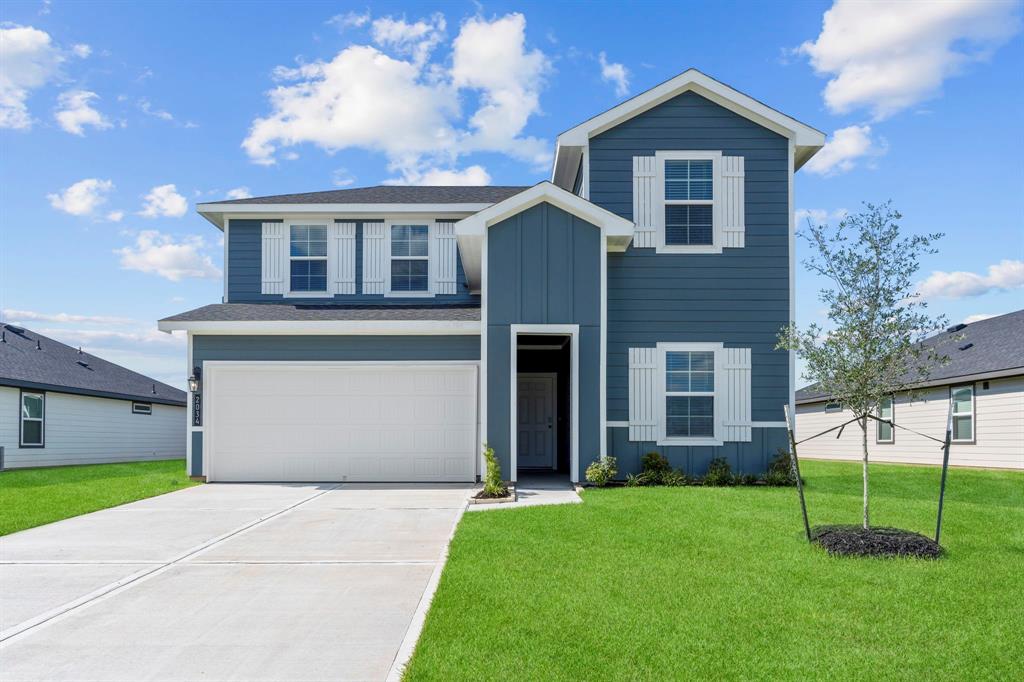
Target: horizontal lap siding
<point>999,429</point>
<point>244,276</point>
<point>89,430</point>
<point>739,297</point>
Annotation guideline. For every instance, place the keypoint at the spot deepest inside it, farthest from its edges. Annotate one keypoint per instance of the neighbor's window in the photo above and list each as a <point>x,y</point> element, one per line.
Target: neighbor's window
<point>33,414</point>
<point>409,254</point>
<point>689,202</point>
<point>308,256</point>
<point>142,408</point>
<point>690,394</point>
<point>884,432</point>
<point>832,407</point>
<point>963,413</point>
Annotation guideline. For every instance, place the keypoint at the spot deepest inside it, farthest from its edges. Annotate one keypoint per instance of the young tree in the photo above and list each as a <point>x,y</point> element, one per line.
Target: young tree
<point>872,349</point>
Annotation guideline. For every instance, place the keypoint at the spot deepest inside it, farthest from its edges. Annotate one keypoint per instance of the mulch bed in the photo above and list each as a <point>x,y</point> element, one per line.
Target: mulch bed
<point>875,541</point>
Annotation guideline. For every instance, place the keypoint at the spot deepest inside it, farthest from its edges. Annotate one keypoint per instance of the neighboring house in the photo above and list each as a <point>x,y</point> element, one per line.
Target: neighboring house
<point>59,405</point>
<point>984,384</point>
<point>631,304</point>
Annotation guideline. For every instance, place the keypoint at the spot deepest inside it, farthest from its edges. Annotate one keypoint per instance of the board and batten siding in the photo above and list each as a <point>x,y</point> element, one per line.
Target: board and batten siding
<point>245,262</point>
<point>543,267</point>
<point>739,297</point>
<point>999,429</point>
<point>82,429</point>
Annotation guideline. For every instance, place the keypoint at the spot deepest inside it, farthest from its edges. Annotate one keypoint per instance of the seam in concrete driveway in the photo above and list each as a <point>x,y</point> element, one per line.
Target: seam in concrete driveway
<point>118,586</point>
<point>419,618</point>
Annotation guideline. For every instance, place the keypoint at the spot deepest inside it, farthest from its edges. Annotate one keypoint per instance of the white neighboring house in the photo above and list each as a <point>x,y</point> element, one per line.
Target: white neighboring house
<point>59,406</point>
<point>984,380</point>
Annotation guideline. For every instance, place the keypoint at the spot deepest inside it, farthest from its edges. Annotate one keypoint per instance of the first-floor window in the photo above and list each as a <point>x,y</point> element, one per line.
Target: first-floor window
<point>689,394</point>
<point>307,251</point>
<point>963,413</point>
<point>409,258</point>
<point>884,433</point>
<point>33,412</point>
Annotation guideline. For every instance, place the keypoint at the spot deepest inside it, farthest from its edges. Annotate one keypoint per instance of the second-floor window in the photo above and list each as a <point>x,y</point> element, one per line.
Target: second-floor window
<point>689,202</point>
<point>410,248</point>
<point>308,258</point>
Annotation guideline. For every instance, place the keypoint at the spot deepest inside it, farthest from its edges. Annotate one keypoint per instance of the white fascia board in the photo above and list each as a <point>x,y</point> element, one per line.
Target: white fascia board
<point>216,213</point>
<point>807,139</point>
<point>351,327</point>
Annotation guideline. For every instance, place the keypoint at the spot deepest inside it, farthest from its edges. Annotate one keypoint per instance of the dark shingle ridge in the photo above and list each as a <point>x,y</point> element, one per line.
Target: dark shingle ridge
<point>302,312</point>
<point>31,360</point>
<point>393,194</point>
<point>995,344</point>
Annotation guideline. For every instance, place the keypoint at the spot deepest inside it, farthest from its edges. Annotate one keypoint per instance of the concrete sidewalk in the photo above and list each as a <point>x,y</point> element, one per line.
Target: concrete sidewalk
<point>226,582</point>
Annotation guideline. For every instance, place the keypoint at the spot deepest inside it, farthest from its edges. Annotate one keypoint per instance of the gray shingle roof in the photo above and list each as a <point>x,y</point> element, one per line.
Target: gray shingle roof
<point>31,360</point>
<point>273,312</point>
<point>392,194</point>
<point>992,345</point>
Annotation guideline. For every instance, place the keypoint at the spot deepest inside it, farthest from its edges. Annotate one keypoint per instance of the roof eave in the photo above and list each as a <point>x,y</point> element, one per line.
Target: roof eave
<point>945,381</point>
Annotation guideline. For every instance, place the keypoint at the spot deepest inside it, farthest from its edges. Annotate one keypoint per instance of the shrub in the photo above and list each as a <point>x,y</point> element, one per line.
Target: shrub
<point>643,479</point>
<point>493,485</point>
<point>655,462</point>
<point>601,472</point>
<point>674,478</point>
<point>747,479</point>
<point>719,472</point>
<point>780,472</point>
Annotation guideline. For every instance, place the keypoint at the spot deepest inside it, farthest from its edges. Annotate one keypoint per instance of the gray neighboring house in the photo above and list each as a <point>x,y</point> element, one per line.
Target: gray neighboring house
<point>629,304</point>
<point>59,405</point>
<point>984,382</point>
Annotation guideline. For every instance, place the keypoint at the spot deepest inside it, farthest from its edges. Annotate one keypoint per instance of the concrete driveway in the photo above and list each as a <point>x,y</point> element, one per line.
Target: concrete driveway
<point>227,582</point>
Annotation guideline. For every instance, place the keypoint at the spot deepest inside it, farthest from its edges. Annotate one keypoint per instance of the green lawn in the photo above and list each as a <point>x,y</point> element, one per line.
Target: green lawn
<point>32,497</point>
<point>678,583</point>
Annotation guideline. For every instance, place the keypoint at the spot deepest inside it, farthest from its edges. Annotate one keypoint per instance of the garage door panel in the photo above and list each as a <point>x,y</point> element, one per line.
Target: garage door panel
<point>342,422</point>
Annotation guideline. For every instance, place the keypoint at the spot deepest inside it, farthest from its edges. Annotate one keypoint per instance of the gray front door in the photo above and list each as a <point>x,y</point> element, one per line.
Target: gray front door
<point>535,411</point>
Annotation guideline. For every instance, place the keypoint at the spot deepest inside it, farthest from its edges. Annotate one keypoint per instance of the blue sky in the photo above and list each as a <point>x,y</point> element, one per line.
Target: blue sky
<point>116,118</point>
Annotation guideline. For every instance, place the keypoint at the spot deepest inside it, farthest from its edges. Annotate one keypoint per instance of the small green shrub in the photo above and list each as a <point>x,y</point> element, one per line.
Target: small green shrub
<point>719,472</point>
<point>493,485</point>
<point>601,472</point>
<point>655,462</point>
<point>643,479</point>
<point>747,479</point>
<point>674,478</point>
<point>780,472</point>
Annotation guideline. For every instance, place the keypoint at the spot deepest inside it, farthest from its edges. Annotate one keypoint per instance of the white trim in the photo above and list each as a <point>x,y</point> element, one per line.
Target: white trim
<point>660,202</point>
<point>218,213</point>
<point>188,406</point>
<point>792,277</point>
<point>669,346</point>
<point>753,425</point>
<point>617,425</point>
<point>603,371</point>
<point>430,290</point>
<point>484,382</point>
<point>382,327</point>
<point>585,170</point>
<point>573,331</point>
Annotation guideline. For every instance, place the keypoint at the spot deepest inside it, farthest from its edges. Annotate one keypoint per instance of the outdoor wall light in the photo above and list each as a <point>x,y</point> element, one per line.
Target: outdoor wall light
<point>194,381</point>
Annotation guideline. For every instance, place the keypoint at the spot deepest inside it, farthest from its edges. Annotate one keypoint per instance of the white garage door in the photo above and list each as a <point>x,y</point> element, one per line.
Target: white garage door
<point>340,422</point>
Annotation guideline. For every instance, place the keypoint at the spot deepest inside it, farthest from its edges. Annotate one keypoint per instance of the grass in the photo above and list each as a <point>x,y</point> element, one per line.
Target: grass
<point>684,583</point>
<point>32,497</point>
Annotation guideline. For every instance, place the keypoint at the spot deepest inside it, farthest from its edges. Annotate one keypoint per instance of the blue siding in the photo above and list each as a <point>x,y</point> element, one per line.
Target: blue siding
<point>543,268</point>
<point>197,453</point>
<point>245,244</point>
<point>739,297</point>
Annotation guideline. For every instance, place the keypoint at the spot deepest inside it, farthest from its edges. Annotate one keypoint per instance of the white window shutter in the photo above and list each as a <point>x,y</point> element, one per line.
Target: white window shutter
<point>342,258</point>
<point>273,274</point>
<point>731,205</point>
<point>735,393</point>
<point>644,201</point>
<point>443,257</point>
<point>375,258</point>
<point>643,394</point>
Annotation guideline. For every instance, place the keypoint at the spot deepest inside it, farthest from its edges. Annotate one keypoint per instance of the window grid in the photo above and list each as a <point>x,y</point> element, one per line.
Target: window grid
<point>884,432</point>
<point>410,249</point>
<point>308,258</point>
<point>689,202</point>
<point>962,398</point>
<point>689,394</point>
<point>33,415</point>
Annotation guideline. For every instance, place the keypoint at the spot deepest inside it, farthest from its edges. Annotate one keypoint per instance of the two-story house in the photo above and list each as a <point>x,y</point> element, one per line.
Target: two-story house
<point>630,304</point>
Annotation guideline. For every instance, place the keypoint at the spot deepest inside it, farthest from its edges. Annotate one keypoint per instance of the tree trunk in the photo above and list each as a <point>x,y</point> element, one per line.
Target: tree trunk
<point>864,442</point>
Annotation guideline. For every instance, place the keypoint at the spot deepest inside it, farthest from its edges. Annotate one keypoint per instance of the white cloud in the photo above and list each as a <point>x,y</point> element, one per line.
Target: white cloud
<point>841,153</point>
<point>616,73</point>
<point>349,20</point>
<point>160,254</point>
<point>28,60</point>
<point>34,316</point>
<point>819,216</point>
<point>75,111</point>
<point>115,216</point>
<point>239,193</point>
<point>164,201</point>
<point>474,175</point>
<point>888,56</point>
<point>342,178</point>
<point>978,317</point>
<point>146,107</point>
<point>83,197</point>
<point>363,97</point>
<point>1003,276</point>
<point>81,50</point>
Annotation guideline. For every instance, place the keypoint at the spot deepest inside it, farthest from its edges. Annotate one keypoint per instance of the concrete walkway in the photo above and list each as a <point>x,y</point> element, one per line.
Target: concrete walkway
<point>536,489</point>
<point>227,582</point>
